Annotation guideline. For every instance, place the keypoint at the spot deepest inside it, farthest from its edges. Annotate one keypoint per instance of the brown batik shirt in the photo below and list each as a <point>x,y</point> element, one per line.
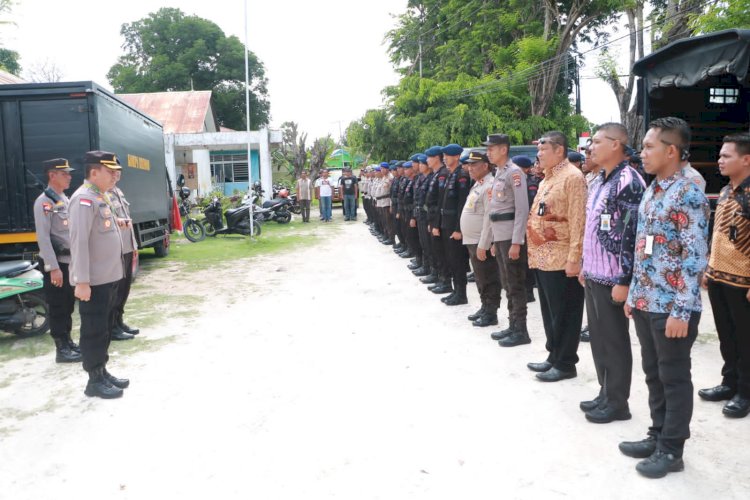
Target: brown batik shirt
<point>730,246</point>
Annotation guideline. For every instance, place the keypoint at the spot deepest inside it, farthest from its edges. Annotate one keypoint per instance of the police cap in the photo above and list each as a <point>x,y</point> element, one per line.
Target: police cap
<point>500,139</point>
<point>408,164</point>
<point>434,151</point>
<point>522,161</point>
<point>105,158</point>
<point>57,164</point>
<point>385,164</point>
<point>574,157</point>
<point>422,158</point>
<point>452,150</point>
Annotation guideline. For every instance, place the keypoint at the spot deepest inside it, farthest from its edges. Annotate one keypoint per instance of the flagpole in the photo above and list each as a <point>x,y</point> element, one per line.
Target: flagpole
<point>247,125</point>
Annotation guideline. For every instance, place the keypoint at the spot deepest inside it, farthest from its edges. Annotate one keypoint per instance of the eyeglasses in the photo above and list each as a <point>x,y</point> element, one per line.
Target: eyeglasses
<point>545,140</point>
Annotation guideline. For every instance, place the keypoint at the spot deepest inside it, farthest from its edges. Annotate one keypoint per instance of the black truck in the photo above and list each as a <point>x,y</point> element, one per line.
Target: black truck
<point>39,121</point>
<point>703,80</point>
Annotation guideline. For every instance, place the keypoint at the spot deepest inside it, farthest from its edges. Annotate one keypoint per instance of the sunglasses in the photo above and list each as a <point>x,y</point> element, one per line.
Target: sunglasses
<point>545,140</point>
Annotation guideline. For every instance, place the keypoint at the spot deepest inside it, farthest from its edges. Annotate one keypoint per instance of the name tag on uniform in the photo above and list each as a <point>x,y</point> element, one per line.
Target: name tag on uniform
<point>649,250</point>
<point>542,209</point>
<point>605,222</point>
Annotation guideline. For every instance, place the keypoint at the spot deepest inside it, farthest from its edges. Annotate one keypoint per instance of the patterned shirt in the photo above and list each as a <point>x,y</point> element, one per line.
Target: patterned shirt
<point>673,220</point>
<point>730,245</point>
<point>611,219</point>
<point>557,219</point>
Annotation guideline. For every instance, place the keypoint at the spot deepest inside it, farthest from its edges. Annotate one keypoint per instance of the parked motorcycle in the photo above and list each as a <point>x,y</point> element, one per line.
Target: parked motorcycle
<point>278,209</point>
<point>237,220</point>
<point>23,310</point>
<point>193,229</point>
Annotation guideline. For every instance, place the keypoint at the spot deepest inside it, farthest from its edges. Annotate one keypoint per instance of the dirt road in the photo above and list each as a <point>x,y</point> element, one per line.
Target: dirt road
<point>334,374</point>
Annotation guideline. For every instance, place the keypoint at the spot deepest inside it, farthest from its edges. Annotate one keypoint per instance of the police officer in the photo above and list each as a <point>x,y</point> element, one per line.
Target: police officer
<point>397,168</point>
<point>456,191</point>
<point>53,237</point>
<point>407,214</point>
<point>508,214</point>
<point>384,203</point>
<point>432,200</point>
<point>96,268</point>
<point>420,210</point>
<point>122,331</point>
<point>532,187</point>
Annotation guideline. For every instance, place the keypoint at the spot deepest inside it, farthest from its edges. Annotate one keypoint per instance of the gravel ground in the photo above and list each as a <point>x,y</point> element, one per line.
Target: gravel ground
<point>332,373</point>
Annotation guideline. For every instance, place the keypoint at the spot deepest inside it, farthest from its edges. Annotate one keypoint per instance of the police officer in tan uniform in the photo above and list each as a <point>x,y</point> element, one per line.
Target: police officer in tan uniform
<point>53,237</point>
<point>96,268</point>
<point>122,331</point>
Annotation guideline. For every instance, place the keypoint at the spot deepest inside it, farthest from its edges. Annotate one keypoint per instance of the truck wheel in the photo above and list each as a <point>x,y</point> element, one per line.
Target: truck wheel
<point>161,249</point>
<point>40,323</point>
<point>194,231</point>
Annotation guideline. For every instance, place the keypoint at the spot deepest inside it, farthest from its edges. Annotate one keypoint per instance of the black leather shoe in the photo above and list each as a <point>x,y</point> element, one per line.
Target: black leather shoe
<point>442,288</point>
<point>718,393</point>
<point>413,261</point>
<point>100,387</point>
<point>64,354</point>
<point>73,346</point>
<point>737,407</point>
<point>121,383</point>
<point>429,279</point>
<point>605,415</point>
<point>470,278</point>
<point>660,464</point>
<point>414,266</point>
<point>422,271</point>
<point>118,334</point>
<point>590,405</point>
<point>518,337</point>
<point>129,329</point>
<point>457,300</point>
<point>398,247</point>
<point>639,449</point>
<point>502,333</point>
<point>555,375</point>
<point>476,315</point>
<point>539,367</point>
<point>406,255</point>
<point>447,297</point>
<point>585,336</point>
<point>485,320</point>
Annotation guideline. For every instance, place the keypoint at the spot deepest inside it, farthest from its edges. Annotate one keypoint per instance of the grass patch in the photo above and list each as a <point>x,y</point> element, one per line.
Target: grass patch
<point>13,347</point>
<point>146,308</point>
<point>140,344</point>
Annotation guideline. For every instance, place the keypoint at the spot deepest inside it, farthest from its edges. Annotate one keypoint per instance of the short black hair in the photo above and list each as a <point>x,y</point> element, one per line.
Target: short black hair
<point>558,138</point>
<point>741,142</point>
<point>674,125</point>
<point>91,166</point>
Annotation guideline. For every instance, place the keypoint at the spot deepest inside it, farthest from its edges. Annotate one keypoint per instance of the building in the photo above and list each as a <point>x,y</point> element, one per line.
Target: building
<point>209,156</point>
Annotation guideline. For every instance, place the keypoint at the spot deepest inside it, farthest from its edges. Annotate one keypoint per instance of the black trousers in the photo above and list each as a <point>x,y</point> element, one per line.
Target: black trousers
<point>666,363</point>
<point>398,226</point>
<point>97,321</point>
<point>412,236</point>
<point>732,318</point>
<point>561,300</point>
<point>424,240</point>
<point>123,288</point>
<point>61,302</point>
<point>513,278</point>
<point>305,206</point>
<point>438,257</point>
<point>610,345</point>
<point>457,258</point>
<point>487,279</point>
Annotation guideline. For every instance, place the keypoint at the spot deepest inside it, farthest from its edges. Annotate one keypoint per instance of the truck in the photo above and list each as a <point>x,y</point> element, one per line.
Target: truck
<point>40,121</point>
<point>704,81</point>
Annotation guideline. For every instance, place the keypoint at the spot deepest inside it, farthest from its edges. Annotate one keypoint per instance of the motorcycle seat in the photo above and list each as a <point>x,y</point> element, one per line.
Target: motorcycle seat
<point>274,202</point>
<point>232,211</point>
<point>10,269</point>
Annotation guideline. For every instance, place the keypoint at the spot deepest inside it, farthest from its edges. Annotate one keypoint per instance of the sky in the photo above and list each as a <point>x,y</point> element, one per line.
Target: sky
<point>325,61</point>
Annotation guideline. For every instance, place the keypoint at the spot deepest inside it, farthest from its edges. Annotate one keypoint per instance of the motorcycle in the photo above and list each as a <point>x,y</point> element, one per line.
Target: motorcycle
<point>194,230</point>
<point>277,210</point>
<point>238,220</point>
<point>23,310</point>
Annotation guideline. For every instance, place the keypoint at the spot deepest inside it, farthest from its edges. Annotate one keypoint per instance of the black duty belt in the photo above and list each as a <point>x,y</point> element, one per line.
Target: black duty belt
<point>496,217</point>
<point>448,211</point>
<point>383,197</point>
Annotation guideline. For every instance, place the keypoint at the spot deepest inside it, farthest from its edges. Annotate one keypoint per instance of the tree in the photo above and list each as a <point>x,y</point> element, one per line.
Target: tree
<point>9,61</point>
<point>292,148</point>
<point>44,71</point>
<point>721,16</point>
<point>168,51</point>
<point>671,17</point>
<point>319,151</point>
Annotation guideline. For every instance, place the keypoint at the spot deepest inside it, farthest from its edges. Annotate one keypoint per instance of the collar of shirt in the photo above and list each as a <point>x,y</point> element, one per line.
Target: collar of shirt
<point>664,184</point>
<point>552,171</point>
<point>743,186</point>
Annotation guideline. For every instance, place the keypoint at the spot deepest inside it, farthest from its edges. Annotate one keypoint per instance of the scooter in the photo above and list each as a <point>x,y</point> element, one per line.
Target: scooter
<point>277,210</point>
<point>23,310</point>
<point>238,220</point>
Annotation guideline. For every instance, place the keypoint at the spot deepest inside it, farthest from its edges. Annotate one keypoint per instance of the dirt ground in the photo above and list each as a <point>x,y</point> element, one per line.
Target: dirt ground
<point>332,373</point>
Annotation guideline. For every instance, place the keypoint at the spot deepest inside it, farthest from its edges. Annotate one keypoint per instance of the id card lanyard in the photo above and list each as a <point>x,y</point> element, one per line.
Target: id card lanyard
<point>650,218</point>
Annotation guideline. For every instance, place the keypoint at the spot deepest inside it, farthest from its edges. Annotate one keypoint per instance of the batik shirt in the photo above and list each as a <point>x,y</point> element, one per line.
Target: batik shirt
<point>611,219</point>
<point>672,220</point>
<point>730,245</point>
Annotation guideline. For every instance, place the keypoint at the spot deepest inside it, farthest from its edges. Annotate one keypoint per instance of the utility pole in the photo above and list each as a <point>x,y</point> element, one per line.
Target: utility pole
<point>247,125</point>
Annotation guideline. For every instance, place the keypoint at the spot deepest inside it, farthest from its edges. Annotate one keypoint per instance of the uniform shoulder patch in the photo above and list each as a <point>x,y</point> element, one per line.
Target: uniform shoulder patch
<point>47,207</point>
<point>517,179</point>
<point>463,180</point>
<point>85,202</point>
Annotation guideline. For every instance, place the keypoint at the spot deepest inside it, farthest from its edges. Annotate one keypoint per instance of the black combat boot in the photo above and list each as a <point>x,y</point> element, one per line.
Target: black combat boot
<point>64,353</point>
<point>448,297</point>
<point>121,383</point>
<point>119,334</point>
<point>519,337</point>
<point>413,266</point>
<point>73,346</point>
<point>459,297</point>
<point>489,318</point>
<point>100,387</point>
<point>503,333</point>
<point>443,286</point>
<point>128,329</point>
<point>429,278</point>
<point>476,315</point>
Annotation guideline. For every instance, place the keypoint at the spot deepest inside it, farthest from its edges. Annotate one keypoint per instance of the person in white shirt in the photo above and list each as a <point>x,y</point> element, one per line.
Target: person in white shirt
<point>324,194</point>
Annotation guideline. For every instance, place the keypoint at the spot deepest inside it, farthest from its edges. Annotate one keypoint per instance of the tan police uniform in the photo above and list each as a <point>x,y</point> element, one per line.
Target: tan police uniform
<point>121,208</point>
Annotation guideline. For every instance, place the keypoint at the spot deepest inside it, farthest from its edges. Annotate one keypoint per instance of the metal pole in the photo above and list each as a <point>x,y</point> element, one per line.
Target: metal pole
<point>247,125</point>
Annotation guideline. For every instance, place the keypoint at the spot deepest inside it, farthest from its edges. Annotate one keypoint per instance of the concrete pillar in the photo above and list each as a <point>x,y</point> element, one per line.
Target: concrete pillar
<point>266,175</point>
<point>169,158</point>
<point>202,157</point>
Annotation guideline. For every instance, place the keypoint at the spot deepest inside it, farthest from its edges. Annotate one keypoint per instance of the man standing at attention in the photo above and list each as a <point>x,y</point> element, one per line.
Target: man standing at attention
<point>303,195</point>
<point>664,299</point>
<point>96,268</point>
<point>608,248</point>
<point>324,193</point>
<point>555,233</point>
<point>121,330</point>
<point>53,235</point>
<point>728,278</point>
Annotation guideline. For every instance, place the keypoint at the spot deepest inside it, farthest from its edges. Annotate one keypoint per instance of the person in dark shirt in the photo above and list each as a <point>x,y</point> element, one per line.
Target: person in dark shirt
<point>350,190</point>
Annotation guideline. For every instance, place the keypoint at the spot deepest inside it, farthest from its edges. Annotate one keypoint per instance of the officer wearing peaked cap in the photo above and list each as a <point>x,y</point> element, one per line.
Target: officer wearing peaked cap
<point>96,268</point>
<point>53,236</point>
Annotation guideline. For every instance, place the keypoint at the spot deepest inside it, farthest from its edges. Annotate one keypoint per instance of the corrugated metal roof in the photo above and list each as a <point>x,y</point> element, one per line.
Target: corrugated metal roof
<point>6,78</point>
<point>179,112</point>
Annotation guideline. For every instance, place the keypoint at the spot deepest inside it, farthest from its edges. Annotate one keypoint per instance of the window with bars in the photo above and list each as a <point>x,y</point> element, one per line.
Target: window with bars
<point>723,95</point>
<point>229,167</point>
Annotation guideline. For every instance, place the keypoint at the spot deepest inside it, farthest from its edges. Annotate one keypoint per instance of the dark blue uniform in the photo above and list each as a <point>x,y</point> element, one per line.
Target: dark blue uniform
<point>434,197</point>
<point>421,186</point>
<point>456,191</point>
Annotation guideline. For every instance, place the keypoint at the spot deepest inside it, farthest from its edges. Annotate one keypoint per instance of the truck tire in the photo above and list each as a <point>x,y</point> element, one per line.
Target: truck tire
<point>161,249</point>
<point>194,231</point>
<point>40,324</point>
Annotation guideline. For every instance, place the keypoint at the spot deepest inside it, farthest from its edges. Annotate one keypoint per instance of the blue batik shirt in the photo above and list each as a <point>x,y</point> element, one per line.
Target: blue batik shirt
<point>673,217</point>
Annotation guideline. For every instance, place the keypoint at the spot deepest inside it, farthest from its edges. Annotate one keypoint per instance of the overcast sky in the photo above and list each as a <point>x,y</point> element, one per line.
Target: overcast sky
<point>325,60</point>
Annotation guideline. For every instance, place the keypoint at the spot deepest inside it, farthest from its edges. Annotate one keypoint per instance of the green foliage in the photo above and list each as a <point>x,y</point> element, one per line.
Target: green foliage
<point>168,50</point>
<point>9,61</point>
<point>721,16</point>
